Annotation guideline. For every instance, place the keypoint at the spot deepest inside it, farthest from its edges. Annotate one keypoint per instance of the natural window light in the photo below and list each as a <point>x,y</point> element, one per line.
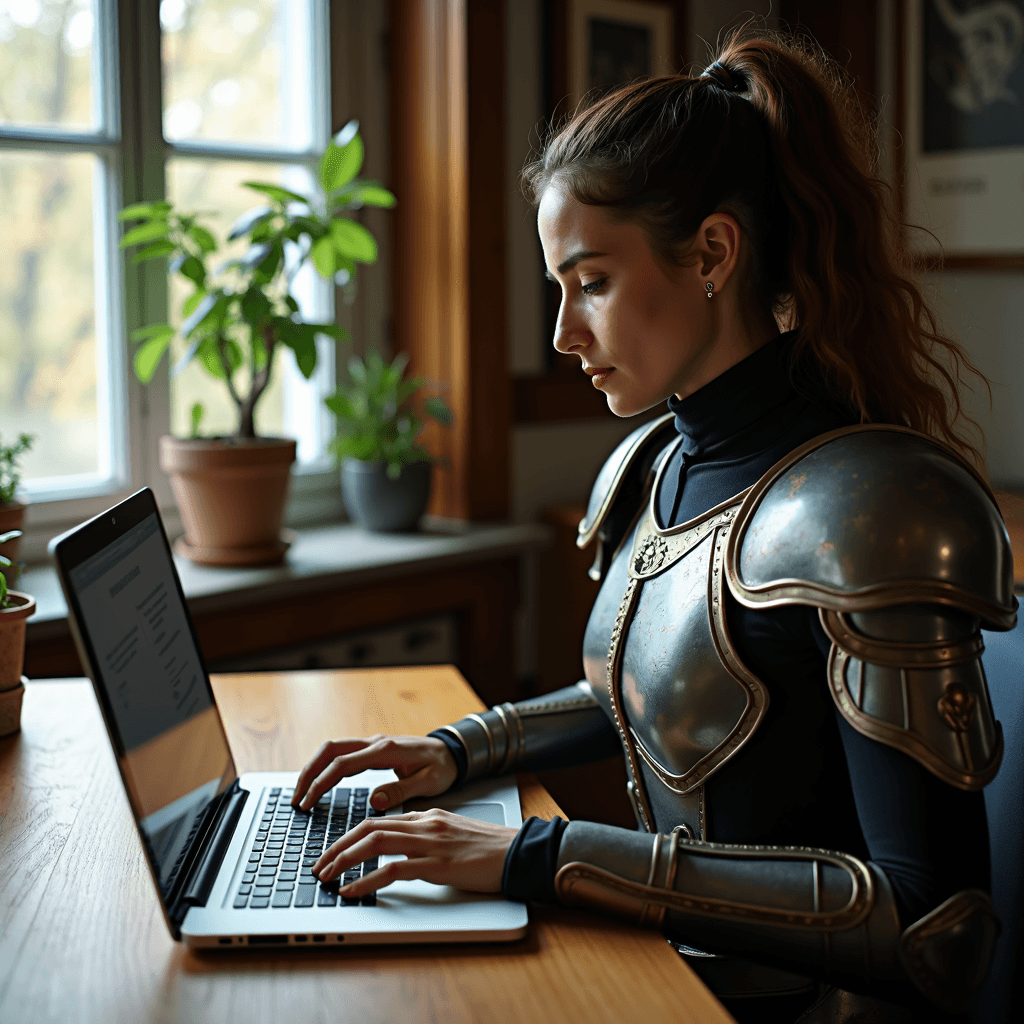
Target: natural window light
<point>244,97</point>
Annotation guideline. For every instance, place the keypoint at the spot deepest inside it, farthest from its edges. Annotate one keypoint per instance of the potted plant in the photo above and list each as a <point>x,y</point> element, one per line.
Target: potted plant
<point>385,469</point>
<point>15,608</point>
<point>12,513</point>
<point>231,491</point>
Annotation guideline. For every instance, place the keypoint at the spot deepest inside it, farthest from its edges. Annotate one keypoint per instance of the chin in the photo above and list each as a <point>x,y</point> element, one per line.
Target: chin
<point>625,406</point>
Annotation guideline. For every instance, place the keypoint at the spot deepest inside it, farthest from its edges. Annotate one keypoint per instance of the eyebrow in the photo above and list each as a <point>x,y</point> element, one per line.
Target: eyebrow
<point>571,261</point>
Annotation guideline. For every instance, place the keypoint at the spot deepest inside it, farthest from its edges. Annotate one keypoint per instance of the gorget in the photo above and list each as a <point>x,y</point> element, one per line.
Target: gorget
<point>658,656</point>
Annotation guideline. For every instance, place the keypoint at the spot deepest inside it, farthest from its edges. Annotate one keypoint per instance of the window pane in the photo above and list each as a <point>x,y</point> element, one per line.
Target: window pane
<point>291,406</point>
<point>46,53</point>
<point>238,71</point>
<point>48,357</point>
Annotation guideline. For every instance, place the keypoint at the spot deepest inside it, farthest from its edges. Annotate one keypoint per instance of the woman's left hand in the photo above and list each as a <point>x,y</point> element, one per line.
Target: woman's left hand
<point>440,847</point>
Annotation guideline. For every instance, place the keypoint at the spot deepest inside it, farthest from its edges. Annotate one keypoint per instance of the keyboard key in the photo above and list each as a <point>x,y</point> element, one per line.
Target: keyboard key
<point>286,876</point>
<point>262,890</point>
<point>326,898</point>
<point>240,902</point>
<point>245,890</point>
<point>258,903</point>
<point>370,900</point>
<point>276,791</point>
<point>304,895</point>
<point>282,899</point>
<point>350,901</point>
<point>267,871</point>
<point>254,858</point>
<point>248,877</point>
<point>285,886</point>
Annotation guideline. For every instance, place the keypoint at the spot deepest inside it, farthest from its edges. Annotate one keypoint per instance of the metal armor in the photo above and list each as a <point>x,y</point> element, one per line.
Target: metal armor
<point>900,547</point>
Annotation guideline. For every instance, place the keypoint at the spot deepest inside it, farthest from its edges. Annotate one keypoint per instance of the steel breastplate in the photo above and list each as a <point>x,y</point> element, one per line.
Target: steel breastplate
<point>658,656</point>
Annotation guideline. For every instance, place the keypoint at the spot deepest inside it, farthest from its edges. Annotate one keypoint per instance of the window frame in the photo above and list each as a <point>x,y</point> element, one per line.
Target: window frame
<point>135,153</point>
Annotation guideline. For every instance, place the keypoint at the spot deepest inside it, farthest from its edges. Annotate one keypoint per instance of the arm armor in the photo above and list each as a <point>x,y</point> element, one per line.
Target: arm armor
<point>901,547</point>
<point>557,730</point>
<point>788,907</point>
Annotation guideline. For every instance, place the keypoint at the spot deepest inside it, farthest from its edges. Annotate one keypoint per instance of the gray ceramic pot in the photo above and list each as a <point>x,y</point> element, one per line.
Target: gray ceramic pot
<point>380,504</point>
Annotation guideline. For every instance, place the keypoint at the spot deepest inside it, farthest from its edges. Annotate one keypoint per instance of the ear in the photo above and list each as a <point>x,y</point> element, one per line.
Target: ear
<point>718,242</point>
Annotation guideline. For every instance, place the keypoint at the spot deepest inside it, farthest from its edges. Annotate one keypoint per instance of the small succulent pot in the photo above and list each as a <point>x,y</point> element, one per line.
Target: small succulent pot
<point>12,658</point>
<point>379,504</point>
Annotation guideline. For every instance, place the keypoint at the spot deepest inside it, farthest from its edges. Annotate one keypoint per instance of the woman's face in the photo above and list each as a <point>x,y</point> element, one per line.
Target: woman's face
<point>643,330</point>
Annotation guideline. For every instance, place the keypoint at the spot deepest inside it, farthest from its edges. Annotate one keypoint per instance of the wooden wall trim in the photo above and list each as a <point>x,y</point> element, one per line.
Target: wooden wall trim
<point>447,103</point>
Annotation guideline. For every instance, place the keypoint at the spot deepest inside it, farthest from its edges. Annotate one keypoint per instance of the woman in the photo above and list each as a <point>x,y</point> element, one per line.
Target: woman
<point>786,643</point>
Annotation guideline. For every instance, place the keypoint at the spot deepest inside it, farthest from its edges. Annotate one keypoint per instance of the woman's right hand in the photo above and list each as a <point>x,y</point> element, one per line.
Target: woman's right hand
<point>423,764</point>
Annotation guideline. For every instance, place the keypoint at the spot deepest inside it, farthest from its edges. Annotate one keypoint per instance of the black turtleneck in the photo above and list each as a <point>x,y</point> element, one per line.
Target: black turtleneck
<point>806,777</point>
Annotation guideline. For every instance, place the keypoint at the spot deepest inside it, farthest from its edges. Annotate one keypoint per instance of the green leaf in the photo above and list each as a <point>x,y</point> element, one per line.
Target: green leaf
<point>341,163</point>
<point>356,369</point>
<point>373,195</point>
<point>248,221</point>
<point>6,538</point>
<point>352,239</point>
<point>187,356</point>
<point>194,270</point>
<point>145,233</point>
<point>275,192</point>
<point>137,211</point>
<point>203,312</point>
<point>291,303</point>
<point>189,305</point>
<point>324,255</point>
<point>301,339</point>
<point>209,355</point>
<point>196,415</point>
<point>149,354</point>
<point>267,268</point>
<point>203,238</point>
<point>3,589</point>
<point>436,408</point>
<point>255,307</point>
<point>153,331</point>
<point>157,250</point>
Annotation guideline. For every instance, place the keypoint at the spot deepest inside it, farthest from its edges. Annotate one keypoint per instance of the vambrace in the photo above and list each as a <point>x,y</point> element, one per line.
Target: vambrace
<point>556,730</point>
<point>796,908</point>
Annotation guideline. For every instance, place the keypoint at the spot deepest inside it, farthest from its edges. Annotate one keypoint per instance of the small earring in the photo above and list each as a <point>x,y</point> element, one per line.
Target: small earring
<point>710,287</point>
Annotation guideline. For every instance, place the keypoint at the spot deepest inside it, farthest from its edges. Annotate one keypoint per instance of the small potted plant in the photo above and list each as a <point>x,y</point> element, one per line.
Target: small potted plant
<point>15,608</point>
<point>231,491</point>
<point>385,469</point>
<point>12,513</point>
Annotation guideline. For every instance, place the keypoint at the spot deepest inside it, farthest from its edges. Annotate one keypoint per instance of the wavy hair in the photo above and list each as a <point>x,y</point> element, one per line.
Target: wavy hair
<point>790,152</point>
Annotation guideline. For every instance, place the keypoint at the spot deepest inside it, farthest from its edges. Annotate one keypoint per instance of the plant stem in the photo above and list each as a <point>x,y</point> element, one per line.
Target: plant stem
<point>260,379</point>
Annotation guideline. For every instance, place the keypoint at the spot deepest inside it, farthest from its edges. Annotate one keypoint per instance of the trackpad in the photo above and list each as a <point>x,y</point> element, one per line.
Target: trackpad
<point>494,813</point>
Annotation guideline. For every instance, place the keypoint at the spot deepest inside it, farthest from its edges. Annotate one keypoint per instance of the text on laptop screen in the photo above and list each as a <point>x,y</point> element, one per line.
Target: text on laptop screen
<point>175,756</point>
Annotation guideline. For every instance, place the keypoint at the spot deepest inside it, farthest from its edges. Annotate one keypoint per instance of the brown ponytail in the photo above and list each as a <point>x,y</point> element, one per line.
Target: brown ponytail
<point>790,153</point>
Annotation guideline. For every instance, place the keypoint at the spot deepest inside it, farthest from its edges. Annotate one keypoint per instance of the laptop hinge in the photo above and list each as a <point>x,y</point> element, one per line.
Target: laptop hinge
<point>211,843</point>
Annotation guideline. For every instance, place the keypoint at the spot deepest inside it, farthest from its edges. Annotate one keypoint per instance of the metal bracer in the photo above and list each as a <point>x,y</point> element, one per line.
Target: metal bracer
<point>814,911</point>
<point>556,730</point>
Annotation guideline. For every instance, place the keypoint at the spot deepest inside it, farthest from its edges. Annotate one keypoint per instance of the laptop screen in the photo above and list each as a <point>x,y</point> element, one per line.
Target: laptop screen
<point>169,739</point>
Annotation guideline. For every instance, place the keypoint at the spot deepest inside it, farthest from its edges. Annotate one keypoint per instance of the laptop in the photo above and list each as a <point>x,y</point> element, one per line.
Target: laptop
<point>229,857</point>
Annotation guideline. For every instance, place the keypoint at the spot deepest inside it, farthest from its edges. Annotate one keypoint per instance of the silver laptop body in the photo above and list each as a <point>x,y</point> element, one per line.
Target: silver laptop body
<point>229,858</point>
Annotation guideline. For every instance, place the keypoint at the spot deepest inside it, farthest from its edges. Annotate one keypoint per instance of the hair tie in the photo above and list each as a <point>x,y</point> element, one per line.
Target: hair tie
<point>722,77</point>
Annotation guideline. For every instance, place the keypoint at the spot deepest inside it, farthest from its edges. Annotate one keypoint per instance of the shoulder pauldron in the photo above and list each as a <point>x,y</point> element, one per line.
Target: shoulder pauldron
<point>901,547</point>
<point>620,489</point>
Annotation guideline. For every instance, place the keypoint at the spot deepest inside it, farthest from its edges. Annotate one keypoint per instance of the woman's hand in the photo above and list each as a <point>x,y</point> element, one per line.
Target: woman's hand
<point>423,764</point>
<point>440,847</point>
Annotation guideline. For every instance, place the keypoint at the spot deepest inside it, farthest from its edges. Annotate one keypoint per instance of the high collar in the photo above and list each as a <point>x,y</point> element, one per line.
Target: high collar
<point>725,417</point>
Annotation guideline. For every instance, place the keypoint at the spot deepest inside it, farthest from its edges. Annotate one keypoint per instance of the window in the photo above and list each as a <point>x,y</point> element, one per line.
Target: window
<point>88,123</point>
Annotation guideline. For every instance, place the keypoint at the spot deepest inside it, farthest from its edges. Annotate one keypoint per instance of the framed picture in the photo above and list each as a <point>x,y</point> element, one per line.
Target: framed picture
<point>963,129</point>
<point>612,42</point>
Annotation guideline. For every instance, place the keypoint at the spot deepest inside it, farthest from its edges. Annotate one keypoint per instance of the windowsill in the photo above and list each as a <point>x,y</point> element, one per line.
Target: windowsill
<point>322,558</point>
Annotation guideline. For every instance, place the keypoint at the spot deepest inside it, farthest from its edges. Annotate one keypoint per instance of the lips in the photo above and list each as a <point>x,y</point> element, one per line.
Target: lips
<point>598,374</point>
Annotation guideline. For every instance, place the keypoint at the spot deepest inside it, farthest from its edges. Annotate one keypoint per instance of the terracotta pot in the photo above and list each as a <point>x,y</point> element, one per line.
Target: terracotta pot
<point>12,637</point>
<point>231,495</point>
<point>12,517</point>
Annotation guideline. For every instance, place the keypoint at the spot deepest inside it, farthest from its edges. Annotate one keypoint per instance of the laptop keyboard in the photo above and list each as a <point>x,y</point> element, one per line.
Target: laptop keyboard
<point>289,842</point>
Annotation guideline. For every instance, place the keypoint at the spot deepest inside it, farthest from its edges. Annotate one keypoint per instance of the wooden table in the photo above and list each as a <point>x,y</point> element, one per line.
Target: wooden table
<point>82,938</point>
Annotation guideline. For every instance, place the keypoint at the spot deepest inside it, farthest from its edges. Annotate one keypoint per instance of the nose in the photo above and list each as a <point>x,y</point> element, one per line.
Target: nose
<point>571,334</point>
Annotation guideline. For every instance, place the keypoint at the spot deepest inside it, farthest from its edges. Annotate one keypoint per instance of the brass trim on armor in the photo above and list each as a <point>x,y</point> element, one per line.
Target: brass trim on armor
<point>881,595</point>
<point>512,748</point>
<point>473,716</point>
<point>756,693</point>
<point>896,654</point>
<point>902,739</point>
<point>606,890</point>
<point>587,530</point>
<point>458,735</point>
<point>615,645</point>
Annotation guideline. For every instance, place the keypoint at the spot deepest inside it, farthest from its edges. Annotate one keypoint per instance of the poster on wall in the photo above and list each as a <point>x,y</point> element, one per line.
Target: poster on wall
<point>964,127</point>
<point>613,42</point>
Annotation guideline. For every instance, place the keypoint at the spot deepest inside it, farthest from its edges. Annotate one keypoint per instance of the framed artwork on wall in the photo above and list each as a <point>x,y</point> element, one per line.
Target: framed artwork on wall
<point>612,42</point>
<point>963,129</point>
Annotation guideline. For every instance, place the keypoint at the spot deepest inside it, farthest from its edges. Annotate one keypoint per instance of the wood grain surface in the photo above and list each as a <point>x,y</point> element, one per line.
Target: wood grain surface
<point>82,937</point>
